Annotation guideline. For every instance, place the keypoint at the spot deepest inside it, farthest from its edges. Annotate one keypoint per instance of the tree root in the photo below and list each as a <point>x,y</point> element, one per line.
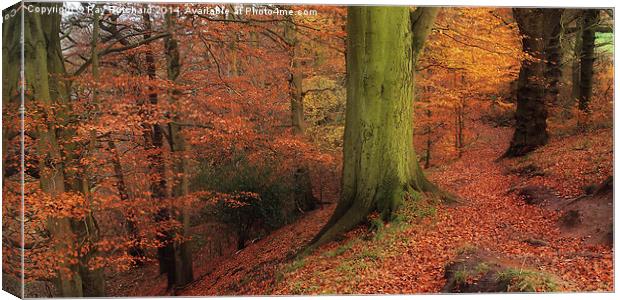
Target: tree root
<point>345,219</point>
<point>348,221</point>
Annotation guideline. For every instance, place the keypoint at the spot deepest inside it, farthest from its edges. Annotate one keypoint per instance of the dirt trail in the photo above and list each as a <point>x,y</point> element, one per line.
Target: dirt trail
<point>490,218</point>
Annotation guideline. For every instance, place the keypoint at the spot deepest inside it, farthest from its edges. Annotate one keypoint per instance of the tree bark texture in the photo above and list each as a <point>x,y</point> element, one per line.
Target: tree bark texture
<point>380,164</point>
<point>538,78</point>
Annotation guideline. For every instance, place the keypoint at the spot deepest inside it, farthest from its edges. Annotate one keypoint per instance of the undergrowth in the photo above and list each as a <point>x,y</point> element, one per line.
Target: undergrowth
<point>361,253</point>
<point>521,280</point>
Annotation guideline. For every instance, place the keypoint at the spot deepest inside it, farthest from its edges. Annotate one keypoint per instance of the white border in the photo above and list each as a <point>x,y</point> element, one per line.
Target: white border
<point>494,3</point>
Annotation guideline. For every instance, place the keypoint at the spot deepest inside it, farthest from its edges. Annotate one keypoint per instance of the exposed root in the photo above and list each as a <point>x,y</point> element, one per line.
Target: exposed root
<point>350,219</point>
<point>422,184</point>
<point>387,203</point>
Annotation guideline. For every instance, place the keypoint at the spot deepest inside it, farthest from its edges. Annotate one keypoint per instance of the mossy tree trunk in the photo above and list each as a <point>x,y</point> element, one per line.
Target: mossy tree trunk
<point>11,54</point>
<point>590,19</point>
<point>12,172</point>
<point>380,164</point>
<point>43,67</point>
<point>45,78</point>
<point>538,77</point>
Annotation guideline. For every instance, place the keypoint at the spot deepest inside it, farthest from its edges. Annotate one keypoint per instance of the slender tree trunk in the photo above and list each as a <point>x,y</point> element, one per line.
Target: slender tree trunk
<point>429,141</point>
<point>155,143</point>
<point>135,250</point>
<point>461,128</point>
<point>93,283</point>
<point>183,255</point>
<point>459,125</point>
<point>255,44</point>
<point>304,196</point>
<point>233,70</point>
<point>42,45</point>
<point>590,19</point>
<point>380,164</point>
<point>576,64</point>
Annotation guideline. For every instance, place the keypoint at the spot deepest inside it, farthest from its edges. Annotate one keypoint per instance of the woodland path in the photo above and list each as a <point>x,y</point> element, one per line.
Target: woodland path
<point>489,218</point>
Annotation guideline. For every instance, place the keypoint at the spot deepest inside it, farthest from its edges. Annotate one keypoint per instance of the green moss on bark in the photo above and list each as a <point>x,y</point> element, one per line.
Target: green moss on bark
<point>380,164</point>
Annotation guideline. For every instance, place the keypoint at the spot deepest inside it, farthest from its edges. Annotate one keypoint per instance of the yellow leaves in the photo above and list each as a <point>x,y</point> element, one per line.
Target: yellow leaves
<point>464,44</point>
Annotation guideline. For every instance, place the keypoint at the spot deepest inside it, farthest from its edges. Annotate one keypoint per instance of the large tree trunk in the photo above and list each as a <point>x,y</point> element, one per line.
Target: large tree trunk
<point>590,19</point>
<point>184,273</point>
<point>11,54</point>
<point>303,195</point>
<point>380,164</point>
<point>12,171</point>
<point>531,115</point>
<point>43,66</point>
<point>553,53</point>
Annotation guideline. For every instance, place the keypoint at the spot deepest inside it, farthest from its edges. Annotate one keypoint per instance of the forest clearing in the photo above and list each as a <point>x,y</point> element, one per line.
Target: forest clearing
<point>210,150</point>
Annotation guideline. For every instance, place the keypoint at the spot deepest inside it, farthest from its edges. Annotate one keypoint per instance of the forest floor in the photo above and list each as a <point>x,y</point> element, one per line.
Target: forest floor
<point>411,254</point>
